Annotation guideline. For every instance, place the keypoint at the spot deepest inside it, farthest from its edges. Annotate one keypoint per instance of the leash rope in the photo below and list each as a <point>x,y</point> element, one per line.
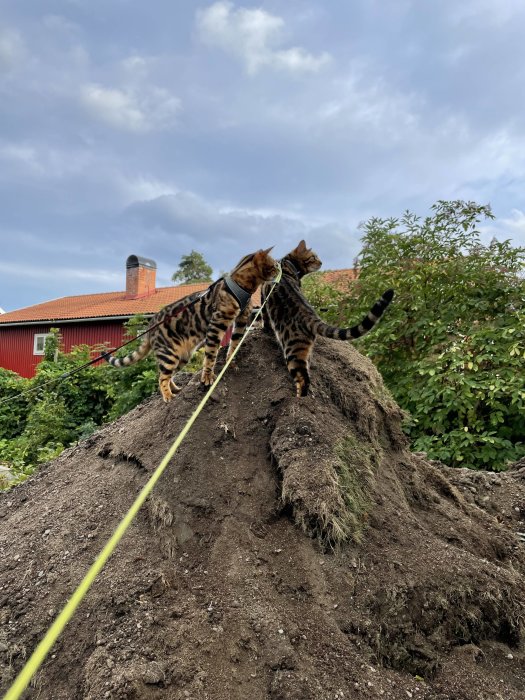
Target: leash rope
<point>38,656</point>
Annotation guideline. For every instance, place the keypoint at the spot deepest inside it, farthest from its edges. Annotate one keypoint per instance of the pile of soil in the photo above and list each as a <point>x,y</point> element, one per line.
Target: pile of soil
<point>294,549</point>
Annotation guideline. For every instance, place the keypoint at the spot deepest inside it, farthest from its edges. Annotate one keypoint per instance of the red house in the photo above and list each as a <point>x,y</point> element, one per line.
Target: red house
<point>90,319</point>
<point>98,319</point>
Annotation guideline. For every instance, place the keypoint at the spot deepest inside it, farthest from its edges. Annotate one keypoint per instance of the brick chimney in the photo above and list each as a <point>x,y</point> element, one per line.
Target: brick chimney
<point>140,277</point>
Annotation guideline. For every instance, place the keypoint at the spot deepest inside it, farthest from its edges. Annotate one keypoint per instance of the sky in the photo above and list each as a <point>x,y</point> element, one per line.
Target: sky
<point>163,127</point>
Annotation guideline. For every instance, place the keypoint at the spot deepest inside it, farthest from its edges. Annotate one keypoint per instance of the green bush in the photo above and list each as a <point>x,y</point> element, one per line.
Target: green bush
<point>13,407</point>
<point>129,386</point>
<point>451,347</point>
<point>36,427</point>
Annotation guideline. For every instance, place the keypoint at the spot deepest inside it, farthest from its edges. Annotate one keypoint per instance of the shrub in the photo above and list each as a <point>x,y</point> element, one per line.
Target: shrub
<point>451,347</point>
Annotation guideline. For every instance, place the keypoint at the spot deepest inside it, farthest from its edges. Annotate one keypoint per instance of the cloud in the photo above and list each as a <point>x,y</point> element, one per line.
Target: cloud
<point>184,220</point>
<point>21,154</point>
<point>40,160</point>
<point>100,277</point>
<point>60,24</point>
<point>487,12</point>
<point>12,50</point>
<point>510,227</point>
<point>138,111</point>
<point>141,188</point>
<point>138,67</point>
<point>253,36</point>
<point>365,103</point>
<point>515,223</point>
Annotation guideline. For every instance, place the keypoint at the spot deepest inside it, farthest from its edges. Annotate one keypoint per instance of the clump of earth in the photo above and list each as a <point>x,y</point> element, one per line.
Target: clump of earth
<point>294,549</point>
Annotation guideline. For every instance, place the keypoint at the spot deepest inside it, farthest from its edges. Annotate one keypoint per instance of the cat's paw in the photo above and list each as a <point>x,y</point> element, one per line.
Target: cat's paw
<point>166,396</point>
<point>207,377</point>
<point>165,390</point>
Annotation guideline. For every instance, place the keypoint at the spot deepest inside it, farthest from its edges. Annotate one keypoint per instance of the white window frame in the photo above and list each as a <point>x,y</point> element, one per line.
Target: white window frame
<point>37,337</point>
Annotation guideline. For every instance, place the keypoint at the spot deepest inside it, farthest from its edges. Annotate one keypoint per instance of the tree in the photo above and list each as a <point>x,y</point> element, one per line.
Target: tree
<point>451,347</point>
<point>192,269</point>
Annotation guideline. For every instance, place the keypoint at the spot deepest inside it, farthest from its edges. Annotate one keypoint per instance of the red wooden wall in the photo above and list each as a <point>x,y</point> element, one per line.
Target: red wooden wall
<point>17,342</point>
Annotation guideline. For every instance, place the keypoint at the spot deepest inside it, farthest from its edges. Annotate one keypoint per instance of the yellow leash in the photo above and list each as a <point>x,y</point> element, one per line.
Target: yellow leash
<point>37,657</point>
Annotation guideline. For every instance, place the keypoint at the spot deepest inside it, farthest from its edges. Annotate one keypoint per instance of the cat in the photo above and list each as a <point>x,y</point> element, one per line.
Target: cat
<point>202,319</point>
<point>296,324</point>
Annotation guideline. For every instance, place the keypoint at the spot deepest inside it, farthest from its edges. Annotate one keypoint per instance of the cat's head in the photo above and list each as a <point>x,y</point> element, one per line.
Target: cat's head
<point>267,267</point>
<point>305,259</point>
<point>255,268</point>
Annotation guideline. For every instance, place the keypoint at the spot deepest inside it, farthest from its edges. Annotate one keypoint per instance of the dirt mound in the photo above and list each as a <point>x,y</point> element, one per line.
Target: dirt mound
<point>293,550</point>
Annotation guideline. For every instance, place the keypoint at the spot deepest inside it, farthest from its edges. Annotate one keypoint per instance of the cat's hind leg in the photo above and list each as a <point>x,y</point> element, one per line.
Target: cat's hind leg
<point>298,360</point>
<point>175,388</point>
<point>167,366</point>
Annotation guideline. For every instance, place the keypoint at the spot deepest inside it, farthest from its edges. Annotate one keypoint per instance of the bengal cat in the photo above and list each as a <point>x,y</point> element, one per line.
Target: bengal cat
<point>296,324</point>
<point>177,329</point>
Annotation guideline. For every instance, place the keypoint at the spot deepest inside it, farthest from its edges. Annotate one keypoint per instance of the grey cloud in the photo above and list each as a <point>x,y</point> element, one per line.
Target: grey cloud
<point>12,50</point>
<point>138,110</point>
<point>214,230</point>
<point>128,131</point>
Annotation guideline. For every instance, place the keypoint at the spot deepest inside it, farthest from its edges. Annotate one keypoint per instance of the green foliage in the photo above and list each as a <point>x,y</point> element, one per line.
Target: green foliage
<point>451,347</point>
<point>13,410</point>
<point>192,269</point>
<point>129,386</point>
<point>55,413</point>
<point>36,427</point>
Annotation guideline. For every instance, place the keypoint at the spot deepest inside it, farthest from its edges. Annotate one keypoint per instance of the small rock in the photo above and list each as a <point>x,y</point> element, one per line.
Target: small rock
<point>153,674</point>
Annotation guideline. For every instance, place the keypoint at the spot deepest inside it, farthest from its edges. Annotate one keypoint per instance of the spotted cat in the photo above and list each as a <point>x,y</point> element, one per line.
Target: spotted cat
<point>202,318</point>
<point>296,324</point>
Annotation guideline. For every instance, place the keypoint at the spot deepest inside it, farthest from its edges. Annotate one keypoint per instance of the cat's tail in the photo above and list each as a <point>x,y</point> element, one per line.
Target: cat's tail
<point>366,324</point>
<point>130,359</point>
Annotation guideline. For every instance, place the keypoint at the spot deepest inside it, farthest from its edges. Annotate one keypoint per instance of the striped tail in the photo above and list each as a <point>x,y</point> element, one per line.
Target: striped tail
<point>366,324</point>
<point>130,359</point>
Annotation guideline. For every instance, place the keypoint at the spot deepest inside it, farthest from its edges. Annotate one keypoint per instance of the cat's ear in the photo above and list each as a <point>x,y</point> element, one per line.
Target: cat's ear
<point>301,248</point>
<point>263,253</point>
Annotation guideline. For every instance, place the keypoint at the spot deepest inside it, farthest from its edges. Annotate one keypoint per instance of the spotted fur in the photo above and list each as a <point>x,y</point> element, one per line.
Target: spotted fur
<point>296,324</point>
<point>179,328</point>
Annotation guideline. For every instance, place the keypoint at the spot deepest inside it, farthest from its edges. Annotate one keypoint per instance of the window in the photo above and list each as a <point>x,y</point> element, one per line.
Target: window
<point>39,343</point>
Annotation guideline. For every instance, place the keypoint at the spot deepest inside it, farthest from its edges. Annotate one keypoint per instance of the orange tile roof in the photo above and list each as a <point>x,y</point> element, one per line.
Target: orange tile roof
<point>109,304</point>
<point>339,277</point>
<point>101,305</point>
